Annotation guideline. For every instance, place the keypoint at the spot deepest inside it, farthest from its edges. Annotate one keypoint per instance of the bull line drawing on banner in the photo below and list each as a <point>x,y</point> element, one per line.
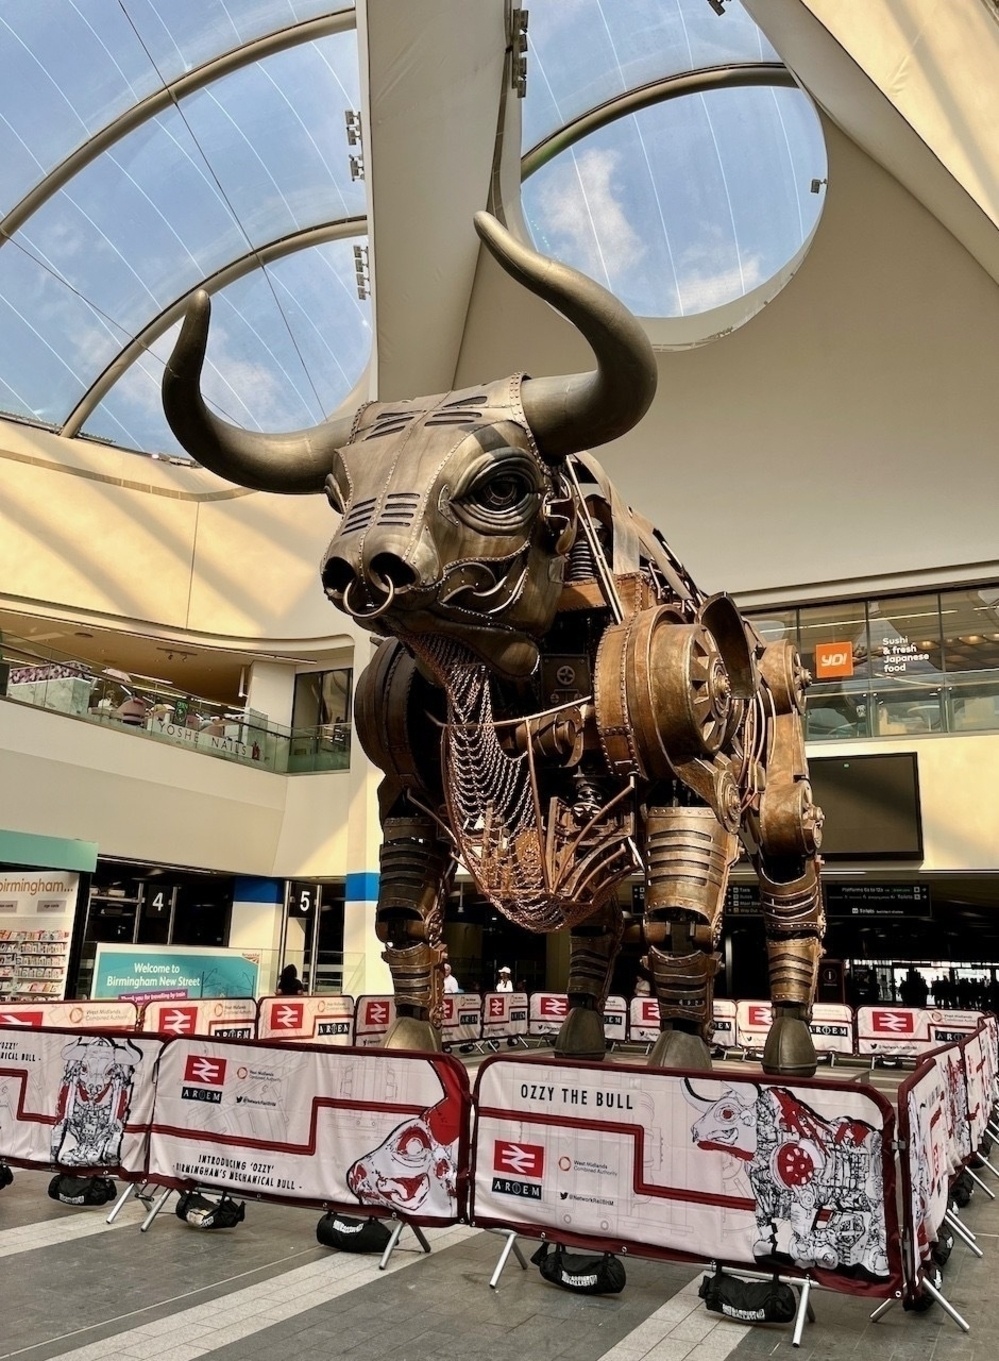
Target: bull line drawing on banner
<point>817,1182</point>
<point>95,1096</point>
<point>555,702</point>
<point>415,1170</point>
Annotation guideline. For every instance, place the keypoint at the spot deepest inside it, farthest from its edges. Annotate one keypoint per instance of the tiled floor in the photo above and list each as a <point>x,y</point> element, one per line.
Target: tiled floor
<point>71,1286</point>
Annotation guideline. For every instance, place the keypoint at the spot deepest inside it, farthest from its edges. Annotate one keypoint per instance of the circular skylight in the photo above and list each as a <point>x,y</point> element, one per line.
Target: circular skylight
<point>706,194</point>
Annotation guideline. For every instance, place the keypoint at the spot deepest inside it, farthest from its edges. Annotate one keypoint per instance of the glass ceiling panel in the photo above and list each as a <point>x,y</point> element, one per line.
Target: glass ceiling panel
<point>686,205</point>
<point>182,34</point>
<point>252,158</point>
<point>286,345</point>
<point>70,68</point>
<point>583,52</point>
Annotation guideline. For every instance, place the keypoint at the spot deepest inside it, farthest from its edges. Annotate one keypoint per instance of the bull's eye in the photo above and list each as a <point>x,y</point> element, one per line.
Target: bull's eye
<point>498,495</point>
<point>502,491</point>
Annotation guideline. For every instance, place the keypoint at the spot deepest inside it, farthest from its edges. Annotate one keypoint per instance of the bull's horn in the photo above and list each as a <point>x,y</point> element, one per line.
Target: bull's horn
<point>297,462</point>
<point>580,410</point>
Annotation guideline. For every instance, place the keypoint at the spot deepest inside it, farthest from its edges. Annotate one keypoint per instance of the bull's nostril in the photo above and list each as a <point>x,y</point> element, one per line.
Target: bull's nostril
<point>337,576</point>
<point>385,569</point>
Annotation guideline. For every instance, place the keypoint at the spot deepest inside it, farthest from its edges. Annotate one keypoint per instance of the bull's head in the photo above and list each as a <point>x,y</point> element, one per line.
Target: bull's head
<point>727,1123</point>
<point>456,515</point>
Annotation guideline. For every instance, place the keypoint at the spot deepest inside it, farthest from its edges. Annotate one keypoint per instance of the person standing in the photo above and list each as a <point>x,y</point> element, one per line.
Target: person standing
<point>289,984</point>
<point>504,982</point>
<point>451,983</point>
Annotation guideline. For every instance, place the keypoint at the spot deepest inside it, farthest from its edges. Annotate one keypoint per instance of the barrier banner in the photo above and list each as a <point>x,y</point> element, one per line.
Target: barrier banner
<point>76,1101</point>
<point>616,1019</point>
<point>752,1024</point>
<point>832,1028</point>
<point>949,1027</point>
<point>338,1128</point>
<point>976,1073</point>
<point>504,1014</point>
<point>723,1022</point>
<point>461,1018</point>
<point>643,1020</point>
<point>691,1167</point>
<point>233,1018</point>
<point>949,1063</point>
<point>85,1015</point>
<point>372,1018</point>
<point>318,1020</point>
<point>893,1030</point>
<point>990,1042</point>
<point>546,1012</point>
<point>925,1159</point>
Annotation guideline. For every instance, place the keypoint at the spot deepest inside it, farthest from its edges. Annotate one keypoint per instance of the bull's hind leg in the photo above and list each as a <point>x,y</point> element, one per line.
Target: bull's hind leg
<point>593,948</point>
<point>688,857</point>
<point>791,898</point>
<point>416,874</point>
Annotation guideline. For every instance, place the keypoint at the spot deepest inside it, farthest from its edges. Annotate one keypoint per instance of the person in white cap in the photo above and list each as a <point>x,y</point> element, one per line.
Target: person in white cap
<point>505,981</point>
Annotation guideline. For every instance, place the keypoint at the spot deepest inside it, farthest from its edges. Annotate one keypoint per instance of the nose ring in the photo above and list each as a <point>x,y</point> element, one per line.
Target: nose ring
<point>379,609</point>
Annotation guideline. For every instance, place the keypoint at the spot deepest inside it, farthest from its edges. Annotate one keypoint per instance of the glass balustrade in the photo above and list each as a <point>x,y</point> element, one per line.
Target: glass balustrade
<point>33,674</point>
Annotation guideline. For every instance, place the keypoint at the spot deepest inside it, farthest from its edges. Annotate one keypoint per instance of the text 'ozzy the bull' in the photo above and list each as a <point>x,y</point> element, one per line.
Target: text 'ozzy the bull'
<point>558,706</point>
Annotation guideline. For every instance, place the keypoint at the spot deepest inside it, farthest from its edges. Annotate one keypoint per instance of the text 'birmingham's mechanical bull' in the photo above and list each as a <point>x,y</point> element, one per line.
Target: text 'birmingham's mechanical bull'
<point>557,706</point>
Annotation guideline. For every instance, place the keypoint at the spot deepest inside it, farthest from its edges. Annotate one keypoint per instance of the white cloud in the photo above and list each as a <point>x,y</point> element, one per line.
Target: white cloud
<point>707,278</point>
<point>588,225</point>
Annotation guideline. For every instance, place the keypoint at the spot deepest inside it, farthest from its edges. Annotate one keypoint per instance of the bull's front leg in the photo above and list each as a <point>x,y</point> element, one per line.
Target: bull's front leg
<point>791,899</point>
<point>593,948</point>
<point>417,870</point>
<point>688,858</point>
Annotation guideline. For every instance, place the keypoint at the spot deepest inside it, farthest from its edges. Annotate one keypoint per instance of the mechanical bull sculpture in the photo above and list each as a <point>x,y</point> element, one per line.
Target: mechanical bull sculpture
<point>556,705</point>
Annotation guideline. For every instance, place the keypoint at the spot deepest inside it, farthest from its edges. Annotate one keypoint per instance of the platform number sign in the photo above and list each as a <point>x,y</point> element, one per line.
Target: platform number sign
<point>303,900</point>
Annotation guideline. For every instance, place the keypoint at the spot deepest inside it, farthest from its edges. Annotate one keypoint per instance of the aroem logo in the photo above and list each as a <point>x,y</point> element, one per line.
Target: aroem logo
<point>200,1068</point>
<point>833,659</point>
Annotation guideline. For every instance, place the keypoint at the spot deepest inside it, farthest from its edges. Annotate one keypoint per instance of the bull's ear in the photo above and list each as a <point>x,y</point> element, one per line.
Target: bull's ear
<point>581,410</point>
<point>558,513</point>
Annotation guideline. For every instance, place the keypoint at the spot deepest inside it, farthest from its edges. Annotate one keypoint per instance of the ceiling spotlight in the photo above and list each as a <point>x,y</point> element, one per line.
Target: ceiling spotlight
<point>719,5</point>
<point>816,185</point>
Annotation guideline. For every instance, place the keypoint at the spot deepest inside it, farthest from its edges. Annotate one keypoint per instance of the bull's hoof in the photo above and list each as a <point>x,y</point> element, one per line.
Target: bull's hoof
<point>407,1032</point>
<point>680,1049</point>
<point>581,1036</point>
<point>789,1050</point>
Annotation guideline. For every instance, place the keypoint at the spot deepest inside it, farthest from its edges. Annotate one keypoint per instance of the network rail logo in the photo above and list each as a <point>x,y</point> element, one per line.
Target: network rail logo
<point>520,1168</point>
<point>208,1074</point>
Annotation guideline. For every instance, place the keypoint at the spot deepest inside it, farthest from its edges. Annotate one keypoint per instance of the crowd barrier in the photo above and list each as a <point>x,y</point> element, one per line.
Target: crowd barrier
<point>232,1018</point>
<point>84,1014</point>
<point>739,1027</point>
<point>319,1020</point>
<point>796,1177</point>
<point>752,1173</point>
<point>504,1016</point>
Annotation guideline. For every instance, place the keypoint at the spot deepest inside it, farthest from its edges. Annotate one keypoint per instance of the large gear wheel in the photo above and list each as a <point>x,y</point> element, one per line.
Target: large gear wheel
<point>662,694</point>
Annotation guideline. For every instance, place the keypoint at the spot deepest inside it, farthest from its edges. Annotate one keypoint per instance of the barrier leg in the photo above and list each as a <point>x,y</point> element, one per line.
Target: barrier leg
<point>883,1308</point>
<point>393,1241</point>
<point>985,1163</point>
<point>804,1311</point>
<point>511,1245</point>
<point>978,1182</point>
<point>965,1234</point>
<point>132,1189</point>
<point>155,1208</point>
<point>945,1305</point>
